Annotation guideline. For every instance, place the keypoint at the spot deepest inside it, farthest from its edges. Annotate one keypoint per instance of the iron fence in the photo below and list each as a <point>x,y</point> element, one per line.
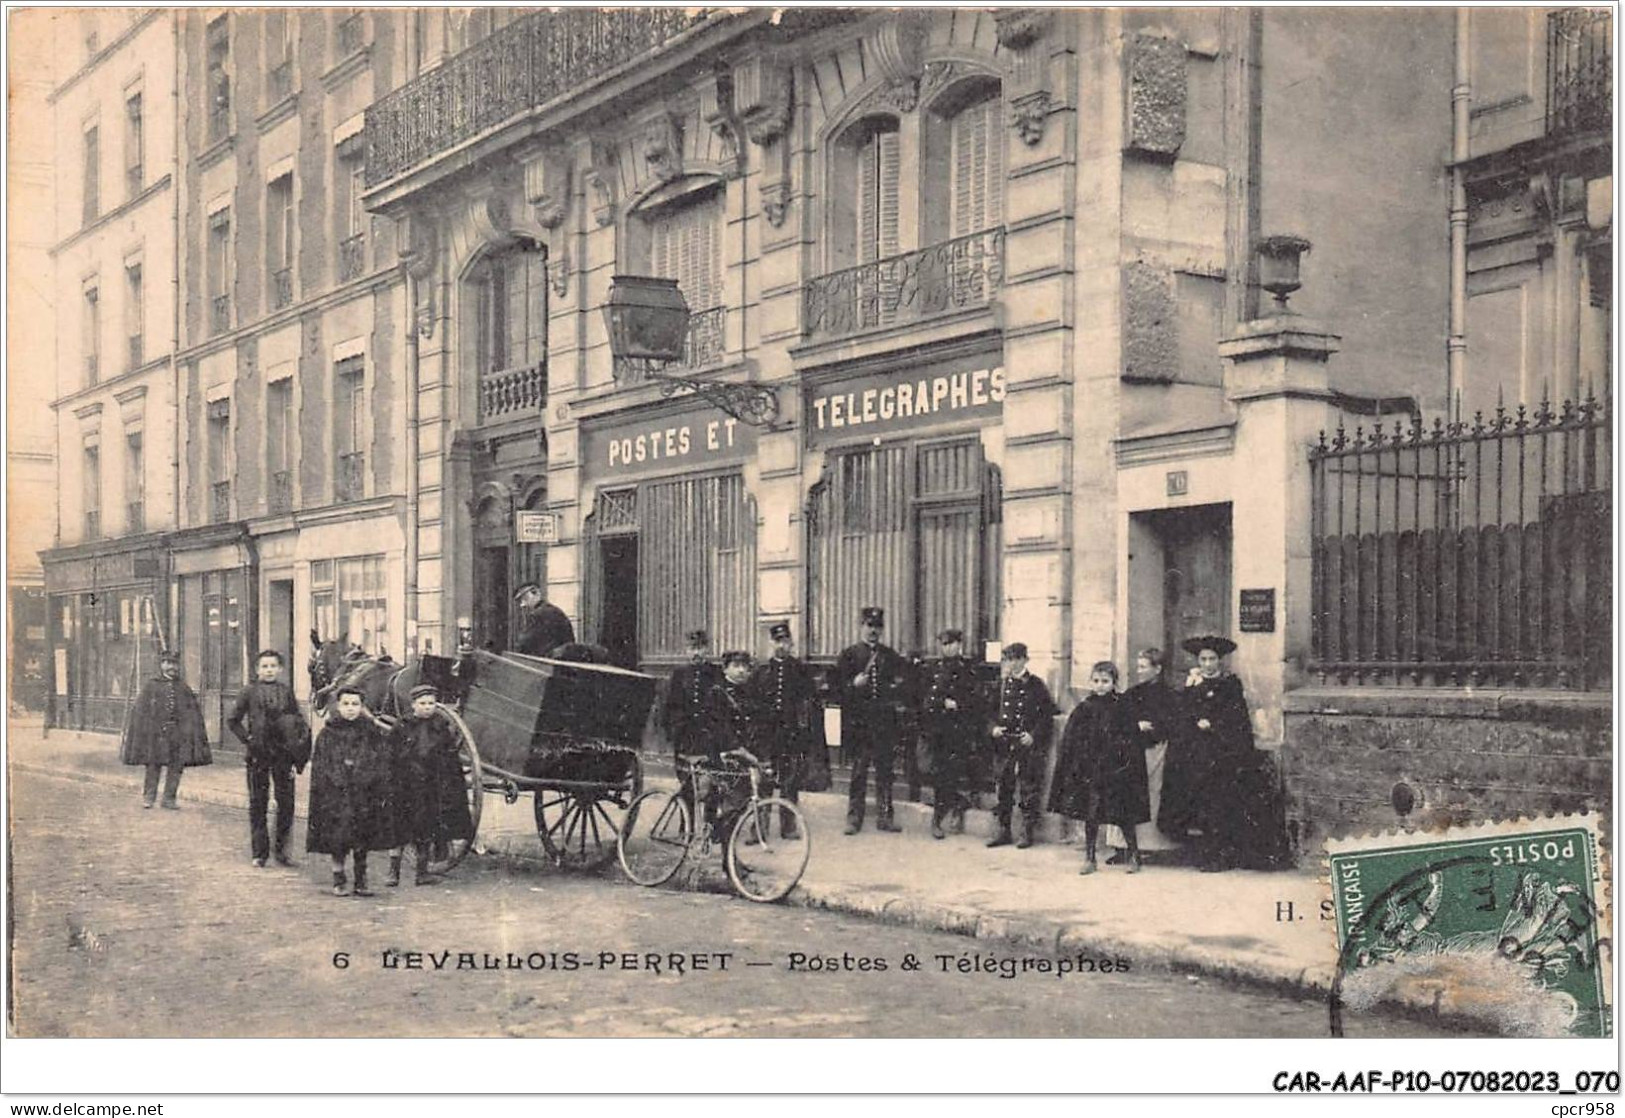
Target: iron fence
<point>954,275</point>
<point>352,256</point>
<point>1467,553</point>
<point>350,484</point>
<point>1579,70</point>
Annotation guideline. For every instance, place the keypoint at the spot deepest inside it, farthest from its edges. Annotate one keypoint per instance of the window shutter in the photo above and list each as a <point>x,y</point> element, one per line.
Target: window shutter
<point>978,167</point>
<point>887,144</point>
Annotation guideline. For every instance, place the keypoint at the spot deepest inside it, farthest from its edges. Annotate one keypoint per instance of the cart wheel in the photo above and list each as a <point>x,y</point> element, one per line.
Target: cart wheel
<point>473,787</point>
<point>654,837</point>
<point>768,850</point>
<point>578,828</point>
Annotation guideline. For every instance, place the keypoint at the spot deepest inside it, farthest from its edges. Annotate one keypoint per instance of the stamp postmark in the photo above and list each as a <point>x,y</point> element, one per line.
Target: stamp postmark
<point>1507,921</point>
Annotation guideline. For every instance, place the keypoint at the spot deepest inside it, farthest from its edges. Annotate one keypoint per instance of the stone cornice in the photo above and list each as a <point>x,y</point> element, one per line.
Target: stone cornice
<point>105,53</point>
<point>113,382</point>
<point>377,280</point>
<point>111,215</point>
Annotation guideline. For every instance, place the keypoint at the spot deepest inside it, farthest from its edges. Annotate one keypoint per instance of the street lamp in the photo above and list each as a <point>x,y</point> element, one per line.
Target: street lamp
<point>1278,265</point>
<point>647,319</point>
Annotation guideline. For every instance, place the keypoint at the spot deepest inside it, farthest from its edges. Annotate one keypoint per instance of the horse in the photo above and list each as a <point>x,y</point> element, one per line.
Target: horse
<point>385,685</point>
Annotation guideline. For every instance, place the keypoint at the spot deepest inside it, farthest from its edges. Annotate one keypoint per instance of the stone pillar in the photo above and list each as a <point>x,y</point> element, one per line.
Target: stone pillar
<point>1275,375</point>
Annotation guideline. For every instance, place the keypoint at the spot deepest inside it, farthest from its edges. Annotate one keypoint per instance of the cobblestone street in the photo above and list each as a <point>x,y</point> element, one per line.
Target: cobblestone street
<point>155,924</point>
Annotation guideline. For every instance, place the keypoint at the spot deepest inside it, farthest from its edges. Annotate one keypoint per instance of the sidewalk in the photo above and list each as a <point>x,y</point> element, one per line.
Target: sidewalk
<point>1257,928</point>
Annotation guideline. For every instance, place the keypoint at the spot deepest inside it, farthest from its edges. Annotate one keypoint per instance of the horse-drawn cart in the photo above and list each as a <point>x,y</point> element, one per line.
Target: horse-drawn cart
<point>566,732</point>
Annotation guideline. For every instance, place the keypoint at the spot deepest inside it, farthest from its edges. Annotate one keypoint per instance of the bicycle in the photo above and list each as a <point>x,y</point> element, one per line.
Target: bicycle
<point>659,831</point>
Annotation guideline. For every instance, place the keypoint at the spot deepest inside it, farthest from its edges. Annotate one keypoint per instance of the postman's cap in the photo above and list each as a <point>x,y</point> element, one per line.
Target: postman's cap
<point>1015,650</point>
<point>735,656</point>
<point>699,638</point>
<point>951,636</point>
<point>779,630</point>
<point>423,689</point>
<point>874,615</point>
<point>525,588</point>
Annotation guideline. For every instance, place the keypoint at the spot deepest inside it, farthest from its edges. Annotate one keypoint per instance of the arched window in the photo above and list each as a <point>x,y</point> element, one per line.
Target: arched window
<point>864,193</point>
<point>964,149</point>
<point>510,292</point>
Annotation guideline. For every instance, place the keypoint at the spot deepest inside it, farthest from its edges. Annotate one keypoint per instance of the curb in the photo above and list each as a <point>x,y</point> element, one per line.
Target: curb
<point>1042,937</point>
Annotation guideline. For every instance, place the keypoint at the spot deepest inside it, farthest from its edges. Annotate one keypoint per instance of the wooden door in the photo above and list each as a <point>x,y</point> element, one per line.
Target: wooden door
<point>1196,577</point>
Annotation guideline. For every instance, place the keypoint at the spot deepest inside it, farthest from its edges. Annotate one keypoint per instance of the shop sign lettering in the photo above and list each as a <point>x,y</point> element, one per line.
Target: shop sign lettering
<point>893,402</point>
<point>669,443</point>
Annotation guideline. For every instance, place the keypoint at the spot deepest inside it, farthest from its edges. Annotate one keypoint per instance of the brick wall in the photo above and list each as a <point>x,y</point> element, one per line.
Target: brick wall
<point>1465,756</point>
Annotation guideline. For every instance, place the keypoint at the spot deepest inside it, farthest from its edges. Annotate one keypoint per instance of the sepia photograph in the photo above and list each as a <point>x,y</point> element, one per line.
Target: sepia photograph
<point>822,522</point>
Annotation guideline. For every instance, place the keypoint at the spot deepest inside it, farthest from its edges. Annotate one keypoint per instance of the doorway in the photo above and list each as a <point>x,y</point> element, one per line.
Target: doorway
<point>279,615</point>
<point>1179,579</point>
<point>618,630</point>
<point>492,604</point>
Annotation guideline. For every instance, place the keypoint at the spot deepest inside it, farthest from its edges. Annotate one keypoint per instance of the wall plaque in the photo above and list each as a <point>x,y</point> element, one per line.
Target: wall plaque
<point>1258,611</point>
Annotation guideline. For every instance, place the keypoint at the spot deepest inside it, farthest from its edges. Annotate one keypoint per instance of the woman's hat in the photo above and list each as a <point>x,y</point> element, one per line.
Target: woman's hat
<point>1224,646</point>
<point>423,689</point>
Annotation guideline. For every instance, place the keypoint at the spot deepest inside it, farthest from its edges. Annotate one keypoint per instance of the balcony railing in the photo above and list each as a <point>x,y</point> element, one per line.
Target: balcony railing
<point>279,496</point>
<point>220,502</point>
<point>136,351</point>
<point>281,288</point>
<point>523,65</point>
<point>513,390</point>
<point>350,34</point>
<point>706,344</point>
<point>955,275</point>
<point>278,82</point>
<point>1468,554</point>
<point>135,517</point>
<point>350,482</point>
<point>1579,71</point>
<point>220,314</point>
<point>352,256</point>
<point>93,524</point>
<point>220,108</point>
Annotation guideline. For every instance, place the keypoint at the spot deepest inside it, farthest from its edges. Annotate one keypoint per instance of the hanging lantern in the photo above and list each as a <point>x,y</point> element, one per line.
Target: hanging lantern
<point>647,318</point>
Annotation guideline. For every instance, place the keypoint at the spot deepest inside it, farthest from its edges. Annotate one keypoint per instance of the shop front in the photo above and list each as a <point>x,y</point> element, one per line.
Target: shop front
<point>106,618</point>
<point>670,542</point>
<point>904,507</point>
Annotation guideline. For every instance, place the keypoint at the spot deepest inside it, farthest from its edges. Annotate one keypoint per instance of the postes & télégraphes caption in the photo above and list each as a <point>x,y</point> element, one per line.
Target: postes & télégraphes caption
<point>684,964</point>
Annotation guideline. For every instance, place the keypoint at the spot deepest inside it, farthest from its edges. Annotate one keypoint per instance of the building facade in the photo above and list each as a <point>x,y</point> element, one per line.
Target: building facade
<point>112,263</point>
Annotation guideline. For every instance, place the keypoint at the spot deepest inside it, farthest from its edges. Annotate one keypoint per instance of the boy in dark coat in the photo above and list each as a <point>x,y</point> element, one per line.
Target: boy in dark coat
<point>165,728</point>
<point>349,791</point>
<point>267,721</point>
<point>740,723</point>
<point>1101,774</point>
<point>429,792</point>
<point>1021,735</point>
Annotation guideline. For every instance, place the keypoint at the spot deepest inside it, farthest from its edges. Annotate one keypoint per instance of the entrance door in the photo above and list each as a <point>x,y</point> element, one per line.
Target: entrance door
<point>492,604</point>
<point>1196,577</point>
<point>618,632</point>
<point>279,616</point>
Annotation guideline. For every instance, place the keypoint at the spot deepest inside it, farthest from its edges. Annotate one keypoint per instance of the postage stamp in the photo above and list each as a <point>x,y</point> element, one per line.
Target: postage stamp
<point>1505,922</point>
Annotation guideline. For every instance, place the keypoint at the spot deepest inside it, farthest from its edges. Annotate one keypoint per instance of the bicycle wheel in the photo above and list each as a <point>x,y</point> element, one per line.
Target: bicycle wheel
<point>768,850</point>
<point>654,837</point>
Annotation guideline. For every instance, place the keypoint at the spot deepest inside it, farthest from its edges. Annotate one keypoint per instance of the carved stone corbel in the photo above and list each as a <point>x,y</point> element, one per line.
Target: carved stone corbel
<point>1020,28</point>
<point>1028,113</point>
<point>898,46</point>
<point>416,249</point>
<point>558,267</point>
<point>1021,33</point>
<point>776,201</point>
<point>547,186</point>
<point>902,95</point>
<point>762,96</point>
<point>717,111</point>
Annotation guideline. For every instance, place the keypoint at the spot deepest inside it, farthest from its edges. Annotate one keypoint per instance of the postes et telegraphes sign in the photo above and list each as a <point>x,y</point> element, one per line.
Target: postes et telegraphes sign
<point>697,439</point>
<point>886,402</point>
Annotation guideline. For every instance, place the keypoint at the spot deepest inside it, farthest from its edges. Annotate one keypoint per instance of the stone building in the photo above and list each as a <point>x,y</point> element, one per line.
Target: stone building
<point>111,269</point>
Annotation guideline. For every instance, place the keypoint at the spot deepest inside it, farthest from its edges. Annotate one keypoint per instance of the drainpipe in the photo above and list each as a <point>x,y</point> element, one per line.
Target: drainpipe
<point>411,462</point>
<point>1460,102</point>
<point>171,594</point>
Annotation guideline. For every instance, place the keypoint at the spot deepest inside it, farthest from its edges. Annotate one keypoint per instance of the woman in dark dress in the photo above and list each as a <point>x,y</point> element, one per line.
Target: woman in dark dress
<point>1212,746</point>
<point>429,795</point>
<point>349,791</point>
<point>1101,773</point>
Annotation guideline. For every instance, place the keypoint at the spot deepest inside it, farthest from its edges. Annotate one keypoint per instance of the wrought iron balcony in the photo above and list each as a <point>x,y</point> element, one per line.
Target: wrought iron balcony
<point>513,390</point>
<point>279,495</point>
<point>1579,71</point>
<point>523,65</point>
<point>136,352</point>
<point>352,257</point>
<point>349,484</point>
<point>706,344</point>
<point>955,275</point>
<point>220,108</point>
<point>350,32</point>
<point>135,517</point>
<point>220,314</point>
<point>93,524</point>
<point>220,502</point>
<point>281,288</point>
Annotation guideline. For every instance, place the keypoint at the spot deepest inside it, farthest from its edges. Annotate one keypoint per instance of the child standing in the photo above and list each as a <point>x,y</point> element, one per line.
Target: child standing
<point>267,721</point>
<point>349,791</point>
<point>429,793</point>
<point>1101,777</point>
